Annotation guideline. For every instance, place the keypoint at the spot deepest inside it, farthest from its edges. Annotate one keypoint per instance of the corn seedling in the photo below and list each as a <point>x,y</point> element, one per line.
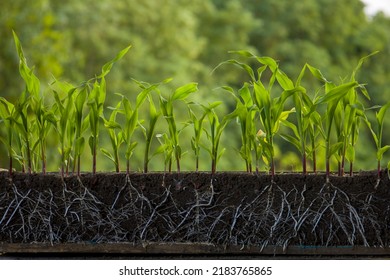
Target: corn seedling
<point>95,102</point>
<point>116,139</point>
<point>31,98</point>
<point>348,115</point>
<point>214,134</point>
<point>154,115</point>
<point>65,128</point>
<point>270,109</point>
<point>7,110</point>
<point>165,148</point>
<point>377,135</point>
<point>332,97</point>
<point>166,106</point>
<point>197,124</point>
<point>80,127</point>
<point>307,119</point>
<point>245,113</point>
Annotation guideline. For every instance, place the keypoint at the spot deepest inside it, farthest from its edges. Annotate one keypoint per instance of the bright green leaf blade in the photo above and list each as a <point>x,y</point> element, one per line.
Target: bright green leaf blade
<point>107,67</point>
<point>183,92</point>
<point>336,93</point>
<point>381,151</point>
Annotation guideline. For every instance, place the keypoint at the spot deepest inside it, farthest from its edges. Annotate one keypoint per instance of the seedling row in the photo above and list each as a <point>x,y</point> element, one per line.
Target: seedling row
<point>329,118</point>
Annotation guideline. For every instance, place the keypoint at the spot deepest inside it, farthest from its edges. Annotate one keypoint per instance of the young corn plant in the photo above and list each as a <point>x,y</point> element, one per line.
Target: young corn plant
<point>166,106</point>
<point>116,139</point>
<point>245,112</point>
<point>377,134</point>
<point>43,117</point>
<point>332,97</point>
<point>307,118</point>
<point>7,110</point>
<point>95,102</point>
<point>197,124</point>
<point>270,109</point>
<point>216,127</point>
<point>165,148</point>
<point>154,115</point>
<point>347,119</point>
<point>80,126</point>
<point>65,128</point>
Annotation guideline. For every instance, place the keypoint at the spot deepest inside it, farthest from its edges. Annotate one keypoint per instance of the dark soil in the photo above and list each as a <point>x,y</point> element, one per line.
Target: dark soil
<point>229,209</point>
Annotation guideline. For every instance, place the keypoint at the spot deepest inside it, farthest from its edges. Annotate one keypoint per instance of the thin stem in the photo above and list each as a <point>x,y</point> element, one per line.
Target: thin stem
<point>94,159</point>
<point>314,159</point>
<point>29,164</point>
<point>10,164</point>
<point>78,165</point>
<point>43,157</point>
<point>117,161</point>
<point>351,169</point>
<point>178,163</point>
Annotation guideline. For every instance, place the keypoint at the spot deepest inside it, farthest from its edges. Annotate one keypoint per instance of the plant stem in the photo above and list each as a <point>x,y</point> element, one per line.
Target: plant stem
<point>146,156</point>
<point>78,166</point>
<point>379,169</point>
<point>178,163</point>
<point>314,158</point>
<point>29,168</point>
<point>43,157</point>
<point>351,169</point>
<point>10,165</point>
<point>327,164</point>
<point>117,161</point>
<point>213,166</point>
<point>94,159</point>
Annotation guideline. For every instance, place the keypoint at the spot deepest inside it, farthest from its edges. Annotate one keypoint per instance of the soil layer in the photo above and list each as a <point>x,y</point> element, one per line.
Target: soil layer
<point>230,209</point>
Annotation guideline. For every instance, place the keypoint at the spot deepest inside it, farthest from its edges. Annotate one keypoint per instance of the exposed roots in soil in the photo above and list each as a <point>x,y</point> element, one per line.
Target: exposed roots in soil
<point>271,217</point>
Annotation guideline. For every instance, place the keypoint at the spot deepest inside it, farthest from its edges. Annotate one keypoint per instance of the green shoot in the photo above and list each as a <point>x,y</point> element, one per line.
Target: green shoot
<point>7,109</point>
<point>65,128</point>
<point>79,142</point>
<point>214,134</point>
<point>377,135</point>
<point>197,124</point>
<point>245,113</point>
<point>116,139</point>
<point>149,131</point>
<point>166,105</point>
<point>96,99</point>
<point>166,148</point>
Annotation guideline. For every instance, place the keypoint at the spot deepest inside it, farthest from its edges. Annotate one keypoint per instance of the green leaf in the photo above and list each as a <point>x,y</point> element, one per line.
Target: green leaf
<point>381,114</point>
<point>350,153</point>
<point>107,67</point>
<point>244,66</point>
<point>112,125</point>
<point>183,92</point>
<point>336,93</point>
<point>381,151</point>
<point>108,154</point>
<point>130,149</point>
<point>242,53</point>
<point>79,146</point>
<point>292,140</point>
<point>335,148</point>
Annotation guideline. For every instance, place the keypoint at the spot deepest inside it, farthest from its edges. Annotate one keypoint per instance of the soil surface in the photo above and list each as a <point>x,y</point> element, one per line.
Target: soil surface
<point>230,208</point>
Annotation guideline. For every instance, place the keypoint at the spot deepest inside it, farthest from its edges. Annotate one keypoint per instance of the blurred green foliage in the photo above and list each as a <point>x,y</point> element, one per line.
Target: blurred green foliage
<point>185,40</point>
